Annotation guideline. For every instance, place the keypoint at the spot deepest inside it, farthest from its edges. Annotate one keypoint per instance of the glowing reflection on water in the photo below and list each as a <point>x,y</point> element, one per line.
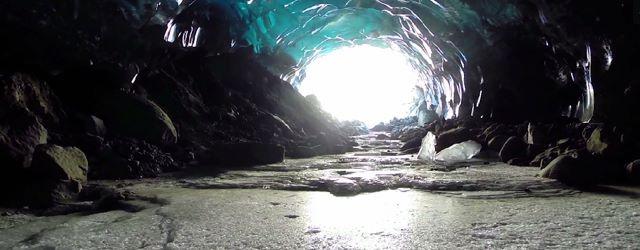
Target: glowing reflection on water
<point>363,219</point>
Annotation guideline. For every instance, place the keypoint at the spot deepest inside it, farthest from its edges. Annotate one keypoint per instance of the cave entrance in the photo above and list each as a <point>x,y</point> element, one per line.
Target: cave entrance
<point>363,82</point>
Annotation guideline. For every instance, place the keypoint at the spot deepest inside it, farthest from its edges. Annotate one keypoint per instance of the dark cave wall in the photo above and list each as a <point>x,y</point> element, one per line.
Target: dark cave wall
<point>67,79</point>
<point>526,66</point>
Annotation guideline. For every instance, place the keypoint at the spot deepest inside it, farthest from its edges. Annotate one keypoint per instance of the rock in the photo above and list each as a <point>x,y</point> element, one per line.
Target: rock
<point>544,158</point>
<point>570,171</point>
<point>25,92</point>
<point>20,133</point>
<point>414,143</point>
<point>412,133</point>
<point>243,154</point>
<point>587,131</point>
<point>452,136</point>
<point>57,174</point>
<point>343,187</point>
<point>139,118</point>
<point>633,171</point>
<point>513,148</point>
<point>602,142</point>
<point>381,127</point>
<point>492,131</point>
<point>497,142</point>
<point>95,126</point>
<point>58,163</point>
<point>410,151</point>
<point>382,137</point>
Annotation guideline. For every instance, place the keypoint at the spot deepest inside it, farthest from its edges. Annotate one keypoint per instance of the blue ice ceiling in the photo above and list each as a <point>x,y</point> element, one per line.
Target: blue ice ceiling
<point>439,37</point>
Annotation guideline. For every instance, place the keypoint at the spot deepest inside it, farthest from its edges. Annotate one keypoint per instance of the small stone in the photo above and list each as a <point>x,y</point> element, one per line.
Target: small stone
<point>313,231</point>
<point>292,216</point>
<point>633,171</point>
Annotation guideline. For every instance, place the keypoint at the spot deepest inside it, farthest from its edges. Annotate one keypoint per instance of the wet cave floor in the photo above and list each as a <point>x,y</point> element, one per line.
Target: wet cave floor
<point>368,199</point>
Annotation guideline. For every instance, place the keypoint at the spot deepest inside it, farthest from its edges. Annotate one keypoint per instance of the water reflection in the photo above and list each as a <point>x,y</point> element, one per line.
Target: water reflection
<point>364,220</point>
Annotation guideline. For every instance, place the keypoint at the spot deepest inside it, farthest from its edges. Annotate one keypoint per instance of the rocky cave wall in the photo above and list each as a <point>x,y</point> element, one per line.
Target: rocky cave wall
<point>97,82</point>
<point>98,76</point>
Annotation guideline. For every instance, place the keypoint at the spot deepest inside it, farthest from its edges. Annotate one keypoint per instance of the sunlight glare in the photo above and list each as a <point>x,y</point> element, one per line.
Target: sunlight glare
<point>364,82</point>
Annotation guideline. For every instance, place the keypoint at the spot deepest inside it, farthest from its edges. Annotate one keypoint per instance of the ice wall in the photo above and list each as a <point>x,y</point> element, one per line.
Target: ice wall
<point>458,46</point>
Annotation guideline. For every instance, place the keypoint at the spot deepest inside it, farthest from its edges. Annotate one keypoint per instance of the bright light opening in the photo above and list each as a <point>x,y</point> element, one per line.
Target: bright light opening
<point>365,83</point>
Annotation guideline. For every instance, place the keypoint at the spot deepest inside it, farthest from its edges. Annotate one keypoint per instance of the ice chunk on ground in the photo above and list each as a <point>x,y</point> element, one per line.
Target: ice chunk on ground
<point>428,147</point>
<point>459,152</point>
<point>455,153</point>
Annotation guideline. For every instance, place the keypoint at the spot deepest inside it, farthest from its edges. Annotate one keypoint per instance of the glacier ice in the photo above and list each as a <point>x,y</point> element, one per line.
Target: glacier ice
<point>458,152</point>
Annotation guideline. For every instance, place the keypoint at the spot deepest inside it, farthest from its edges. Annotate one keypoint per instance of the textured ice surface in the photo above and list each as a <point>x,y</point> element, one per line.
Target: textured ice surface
<point>428,147</point>
<point>456,153</point>
<point>459,152</point>
<point>292,34</point>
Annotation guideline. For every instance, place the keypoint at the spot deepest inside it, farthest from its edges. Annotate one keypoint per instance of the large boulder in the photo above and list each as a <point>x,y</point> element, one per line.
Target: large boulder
<point>20,133</point>
<point>452,136</point>
<point>26,104</point>
<point>497,142</point>
<point>513,148</point>
<point>60,163</point>
<point>28,93</point>
<point>137,117</point>
<point>570,170</point>
<point>57,173</point>
<point>242,154</point>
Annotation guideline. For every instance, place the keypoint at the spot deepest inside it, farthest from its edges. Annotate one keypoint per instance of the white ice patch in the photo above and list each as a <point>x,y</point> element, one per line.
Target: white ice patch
<point>458,152</point>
